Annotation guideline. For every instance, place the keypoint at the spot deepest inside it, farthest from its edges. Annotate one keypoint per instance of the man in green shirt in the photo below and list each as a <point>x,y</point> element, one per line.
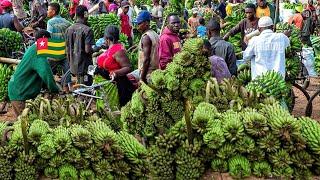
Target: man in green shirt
<point>32,73</point>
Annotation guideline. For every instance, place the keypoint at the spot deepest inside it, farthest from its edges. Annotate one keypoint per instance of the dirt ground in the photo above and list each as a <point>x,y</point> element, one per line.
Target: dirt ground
<point>301,101</point>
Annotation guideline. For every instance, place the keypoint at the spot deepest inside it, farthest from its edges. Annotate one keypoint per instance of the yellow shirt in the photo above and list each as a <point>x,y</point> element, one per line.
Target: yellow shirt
<point>262,12</point>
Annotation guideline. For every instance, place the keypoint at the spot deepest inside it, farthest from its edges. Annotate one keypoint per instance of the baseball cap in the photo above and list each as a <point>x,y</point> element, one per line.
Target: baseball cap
<point>143,16</point>
<point>125,4</point>
<point>194,11</point>
<point>299,8</point>
<point>6,4</point>
<point>265,21</point>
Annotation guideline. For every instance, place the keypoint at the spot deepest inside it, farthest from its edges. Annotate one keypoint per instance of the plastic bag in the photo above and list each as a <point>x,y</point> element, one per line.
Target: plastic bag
<point>308,61</point>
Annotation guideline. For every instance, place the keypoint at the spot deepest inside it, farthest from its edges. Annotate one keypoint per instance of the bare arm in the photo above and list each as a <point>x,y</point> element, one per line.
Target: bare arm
<point>17,24</point>
<point>122,58</point>
<point>146,44</point>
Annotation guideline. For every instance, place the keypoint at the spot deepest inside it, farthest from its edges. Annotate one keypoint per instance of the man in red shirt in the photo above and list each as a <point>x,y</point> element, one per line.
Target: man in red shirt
<point>126,27</point>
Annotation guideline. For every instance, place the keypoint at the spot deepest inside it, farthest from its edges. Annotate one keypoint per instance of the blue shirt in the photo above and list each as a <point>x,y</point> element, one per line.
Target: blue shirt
<point>201,31</point>
<point>57,27</point>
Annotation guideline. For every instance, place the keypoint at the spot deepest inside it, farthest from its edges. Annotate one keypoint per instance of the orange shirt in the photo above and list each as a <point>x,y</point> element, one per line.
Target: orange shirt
<point>297,20</point>
<point>260,12</point>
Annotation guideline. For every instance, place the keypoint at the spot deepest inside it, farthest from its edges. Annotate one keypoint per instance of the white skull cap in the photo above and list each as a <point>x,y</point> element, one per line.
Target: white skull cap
<point>265,21</point>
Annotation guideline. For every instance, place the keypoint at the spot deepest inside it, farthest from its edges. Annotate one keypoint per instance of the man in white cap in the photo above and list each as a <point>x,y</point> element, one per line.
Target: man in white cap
<point>193,21</point>
<point>267,51</point>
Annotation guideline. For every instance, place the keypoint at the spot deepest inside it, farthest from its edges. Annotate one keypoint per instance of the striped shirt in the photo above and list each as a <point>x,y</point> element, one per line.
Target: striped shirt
<point>57,27</point>
<point>267,52</point>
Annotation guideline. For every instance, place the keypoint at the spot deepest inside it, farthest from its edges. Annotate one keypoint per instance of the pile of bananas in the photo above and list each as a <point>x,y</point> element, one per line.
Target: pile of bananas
<point>156,106</point>
<point>292,67</point>
<point>265,142</point>
<point>10,41</point>
<point>98,23</point>
<point>270,84</point>
<point>5,74</point>
<point>92,150</point>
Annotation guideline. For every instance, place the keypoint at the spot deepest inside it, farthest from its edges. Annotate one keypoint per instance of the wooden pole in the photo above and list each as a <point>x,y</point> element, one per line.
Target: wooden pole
<point>276,16</point>
<point>9,60</point>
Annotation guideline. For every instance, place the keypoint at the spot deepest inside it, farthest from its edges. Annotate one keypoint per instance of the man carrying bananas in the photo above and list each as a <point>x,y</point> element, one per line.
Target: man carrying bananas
<point>267,51</point>
<point>29,77</point>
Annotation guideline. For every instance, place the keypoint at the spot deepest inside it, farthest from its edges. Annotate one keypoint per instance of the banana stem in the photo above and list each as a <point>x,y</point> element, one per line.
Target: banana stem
<point>188,120</point>
<point>24,124</point>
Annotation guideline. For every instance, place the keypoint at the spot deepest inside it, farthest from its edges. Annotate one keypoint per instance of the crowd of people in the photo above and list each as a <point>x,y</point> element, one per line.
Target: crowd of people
<point>260,44</point>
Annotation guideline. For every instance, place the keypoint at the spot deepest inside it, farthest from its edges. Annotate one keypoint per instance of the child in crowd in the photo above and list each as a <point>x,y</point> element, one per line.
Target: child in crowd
<point>202,29</point>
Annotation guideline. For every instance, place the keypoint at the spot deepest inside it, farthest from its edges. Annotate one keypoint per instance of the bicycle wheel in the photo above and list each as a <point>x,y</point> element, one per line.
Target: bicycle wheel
<point>300,95</point>
<point>303,79</point>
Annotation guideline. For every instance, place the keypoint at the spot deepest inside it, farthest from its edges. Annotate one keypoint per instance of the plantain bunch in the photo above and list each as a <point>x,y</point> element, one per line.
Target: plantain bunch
<point>102,135</point>
<point>188,166</point>
<point>81,137</point>
<point>47,148</point>
<point>37,130</point>
<point>219,165</point>
<point>161,163</point>
<point>255,123</point>
<point>203,113</point>
<point>24,168</point>
<point>5,169</point>
<point>239,167</point>
<point>86,174</point>
<point>245,145</point>
<point>232,126</point>
<point>51,172</point>
<point>261,169</point>
<point>214,138</point>
<point>62,139</point>
<point>68,172</point>
<point>16,139</point>
<point>310,130</point>
<point>270,83</point>
<point>134,151</point>
<point>269,143</point>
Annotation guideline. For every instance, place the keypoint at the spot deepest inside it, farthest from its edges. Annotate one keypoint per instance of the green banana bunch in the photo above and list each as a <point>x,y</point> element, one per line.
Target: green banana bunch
<point>179,130</point>
<point>299,173</point>
<point>132,149</point>
<point>214,138</point>
<point>262,169</point>
<point>137,105</point>
<point>269,143</point>
<point>245,145</point>
<point>255,123</point>
<point>292,67</point>
<point>283,172</point>
<point>24,170</point>
<point>310,130</point>
<point>68,172</point>
<point>239,167</point>
<point>47,148</point>
<point>102,167</point>
<point>302,160</point>
<point>80,136</point>
<point>38,129</point>
<point>57,161</point>
<point>161,163</point>
<point>166,141</point>
<point>16,140</point>
<point>280,159</point>
<point>73,155</point>
<point>219,165</point>
<point>192,147</point>
<point>10,41</point>
<point>87,174</point>
<point>5,169</point>
<point>270,83</point>
<point>257,155</point>
<point>5,75</point>
<point>51,172</point>
<point>232,126</point>
<point>226,151</point>
<point>120,169</point>
<point>188,165</point>
<point>173,107</point>
<point>3,126</point>
<point>194,46</point>
<point>93,153</point>
<point>244,77</point>
<point>62,139</point>
<point>203,113</point>
<point>98,23</point>
<point>124,40</point>
<point>7,152</point>
<point>102,134</point>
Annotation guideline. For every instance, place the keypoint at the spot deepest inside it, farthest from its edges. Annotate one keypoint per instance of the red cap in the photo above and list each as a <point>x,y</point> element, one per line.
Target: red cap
<point>6,4</point>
